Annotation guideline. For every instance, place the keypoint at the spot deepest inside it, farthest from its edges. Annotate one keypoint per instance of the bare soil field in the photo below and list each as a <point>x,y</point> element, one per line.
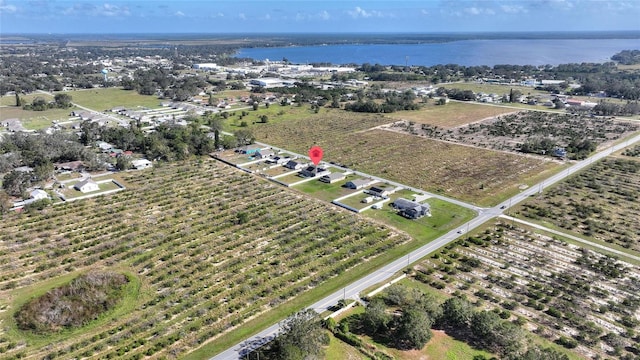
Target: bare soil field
<point>600,202</point>
<point>513,132</point>
<point>575,297</point>
<point>451,115</point>
<point>212,248</point>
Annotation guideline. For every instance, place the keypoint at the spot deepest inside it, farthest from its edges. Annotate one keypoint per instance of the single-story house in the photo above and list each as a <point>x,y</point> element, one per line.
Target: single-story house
<point>70,166</point>
<point>294,165</point>
<point>264,153</point>
<point>39,194</point>
<point>312,170</point>
<point>250,149</point>
<point>411,209</point>
<point>86,185</point>
<point>559,152</point>
<point>140,164</point>
<point>104,146</point>
<point>333,177</point>
<point>381,192</point>
<point>358,184</point>
<point>25,169</point>
<point>279,160</point>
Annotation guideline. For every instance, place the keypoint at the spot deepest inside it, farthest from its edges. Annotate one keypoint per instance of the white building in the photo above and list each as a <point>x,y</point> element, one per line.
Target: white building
<point>206,66</point>
<point>140,164</point>
<point>86,185</point>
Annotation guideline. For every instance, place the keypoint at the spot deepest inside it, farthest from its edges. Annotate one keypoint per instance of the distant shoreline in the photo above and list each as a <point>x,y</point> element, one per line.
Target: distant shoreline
<point>292,39</point>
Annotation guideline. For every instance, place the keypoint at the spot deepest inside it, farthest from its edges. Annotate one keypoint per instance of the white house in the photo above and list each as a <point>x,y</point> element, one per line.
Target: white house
<point>39,194</point>
<point>140,164</point>
<point>86,185</point>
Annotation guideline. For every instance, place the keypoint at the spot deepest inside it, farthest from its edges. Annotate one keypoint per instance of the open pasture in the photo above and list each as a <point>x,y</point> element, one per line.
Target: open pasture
<point>600,202</point>
<point>451,115</point>
<point>477,175</point>
<point>212,248</point>
<point>575,297</point>
<point>106,99</point>
<point>489,88</point>
<point>35,120</point>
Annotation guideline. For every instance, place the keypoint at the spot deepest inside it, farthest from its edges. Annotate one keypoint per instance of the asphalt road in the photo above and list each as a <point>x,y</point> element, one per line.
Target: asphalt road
<point>385,273</point>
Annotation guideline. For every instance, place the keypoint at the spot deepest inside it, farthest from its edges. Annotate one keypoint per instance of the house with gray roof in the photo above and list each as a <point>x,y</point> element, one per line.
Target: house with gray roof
<point>411,209</point>
<point>358,184</point>
<point>333,177</point>
<point>86,185</point>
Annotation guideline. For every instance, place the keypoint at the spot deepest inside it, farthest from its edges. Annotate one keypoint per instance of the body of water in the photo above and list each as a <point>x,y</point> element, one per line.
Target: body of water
<point>465,52</point>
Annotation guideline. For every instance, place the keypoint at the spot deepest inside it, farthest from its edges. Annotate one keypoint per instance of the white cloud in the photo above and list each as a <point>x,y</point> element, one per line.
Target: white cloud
<point>359,12</point>
<point>7,9</point>
<point>112,10</point>
<point>324,15</point>
<point>179,14</point>
<point>105,9</point>
<point>479,11</point>
<point>424,12</point>
<point>242,16</point>
<point>513,9</point>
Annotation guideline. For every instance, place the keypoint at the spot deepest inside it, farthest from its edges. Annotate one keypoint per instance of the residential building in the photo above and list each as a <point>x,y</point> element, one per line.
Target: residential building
<point>86,185</point>
<point>333,177</point>
<point>411,209</point>
<point>358,184</point>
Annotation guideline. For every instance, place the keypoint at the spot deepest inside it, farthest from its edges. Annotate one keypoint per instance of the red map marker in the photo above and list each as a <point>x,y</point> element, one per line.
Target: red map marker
<point>315,153</point>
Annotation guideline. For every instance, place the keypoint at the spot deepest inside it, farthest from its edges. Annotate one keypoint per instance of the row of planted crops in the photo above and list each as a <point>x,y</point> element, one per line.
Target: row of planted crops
<point>212,247</point>
<point>570,295</point>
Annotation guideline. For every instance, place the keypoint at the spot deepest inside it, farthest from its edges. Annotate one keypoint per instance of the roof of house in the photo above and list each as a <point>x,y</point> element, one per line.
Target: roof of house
<point>334,176</point>
<point>360,182</point>
<point>38,193</point>
<point>84,182</point>
<point>401,203</point>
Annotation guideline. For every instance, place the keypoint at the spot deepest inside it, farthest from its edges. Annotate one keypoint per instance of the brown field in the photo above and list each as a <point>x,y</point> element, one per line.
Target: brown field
<point>452,114</point>
<point>472,174</point>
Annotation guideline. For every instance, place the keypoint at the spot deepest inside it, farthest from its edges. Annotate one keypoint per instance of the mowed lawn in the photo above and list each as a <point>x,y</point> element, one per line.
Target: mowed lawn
<point>35,120</point>
<point>452,114</point>
<point>105,99</point>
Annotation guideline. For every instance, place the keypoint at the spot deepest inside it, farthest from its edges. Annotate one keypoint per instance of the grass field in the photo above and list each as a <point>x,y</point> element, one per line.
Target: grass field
<point>105,99</point>
<point>35,120</point>
<point>324,191</point>
<point>477,175</point>
<point>451,115</point>
<point>493,88</point>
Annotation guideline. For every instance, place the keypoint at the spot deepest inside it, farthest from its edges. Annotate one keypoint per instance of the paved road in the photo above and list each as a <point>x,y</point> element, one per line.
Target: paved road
<point>386,272</point>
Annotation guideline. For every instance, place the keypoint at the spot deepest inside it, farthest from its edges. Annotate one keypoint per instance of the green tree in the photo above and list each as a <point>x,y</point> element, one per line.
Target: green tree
<point>216,125</point>
<point>375,318</point>
<point>5,203</point>
<point>414,329</point>
<point>123,163</point>
<point>456,313</point>
<point>16,182</point>
<point>63,101</point>
<point>539,353</point>
<point>244,137</point>
<point>303,338</point>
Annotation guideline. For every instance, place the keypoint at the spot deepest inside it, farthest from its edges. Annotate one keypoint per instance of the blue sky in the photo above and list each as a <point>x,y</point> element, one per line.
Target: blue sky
<point>262,16</point>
